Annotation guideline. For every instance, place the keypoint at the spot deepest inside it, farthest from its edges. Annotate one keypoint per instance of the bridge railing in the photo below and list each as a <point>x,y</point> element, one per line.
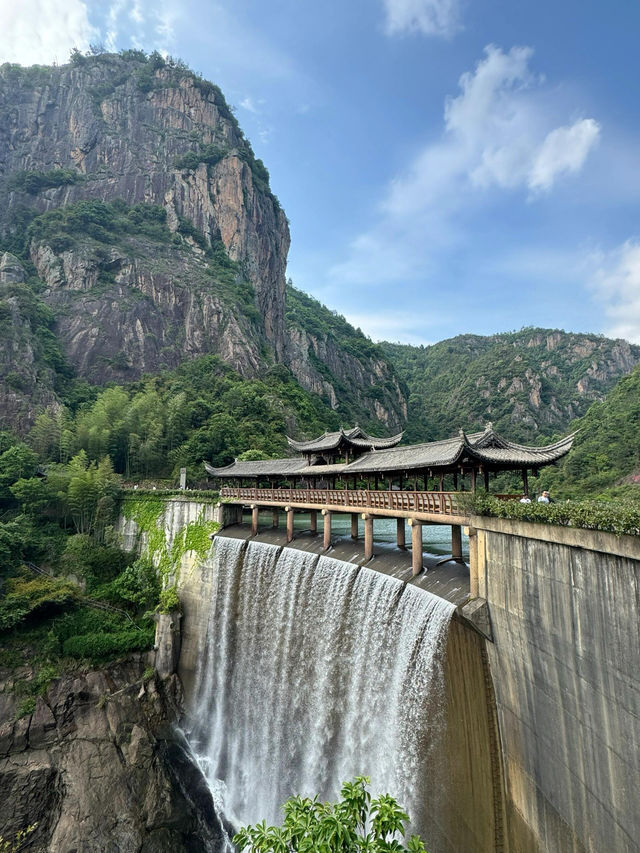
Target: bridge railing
<point>438,503</point>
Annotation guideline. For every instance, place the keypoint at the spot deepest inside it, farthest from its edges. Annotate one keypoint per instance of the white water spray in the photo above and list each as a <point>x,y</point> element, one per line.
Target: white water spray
<point>312,671</point>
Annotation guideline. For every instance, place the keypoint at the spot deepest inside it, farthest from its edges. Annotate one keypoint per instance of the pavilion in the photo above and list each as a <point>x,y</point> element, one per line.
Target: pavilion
<point>352,456</point>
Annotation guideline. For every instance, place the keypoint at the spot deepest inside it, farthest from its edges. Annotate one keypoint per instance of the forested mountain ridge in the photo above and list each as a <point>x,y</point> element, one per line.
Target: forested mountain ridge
<point>606,451</point>
<point>530,384</point>
<point>144,227</point>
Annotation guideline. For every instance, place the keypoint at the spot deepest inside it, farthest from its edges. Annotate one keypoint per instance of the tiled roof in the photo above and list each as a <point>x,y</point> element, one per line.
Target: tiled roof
<point>261,468</point>
<point>356,437</point>
<point>323,470</point>
<point>430,455</point>
<point>485,447</point>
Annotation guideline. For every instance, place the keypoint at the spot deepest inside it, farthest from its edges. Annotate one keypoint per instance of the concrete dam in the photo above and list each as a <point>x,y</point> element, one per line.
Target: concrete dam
<point>301,670</point>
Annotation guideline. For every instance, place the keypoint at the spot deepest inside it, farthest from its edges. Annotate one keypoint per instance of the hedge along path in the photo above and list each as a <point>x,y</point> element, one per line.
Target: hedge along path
<point>147,513</point>
<point>611,516</point>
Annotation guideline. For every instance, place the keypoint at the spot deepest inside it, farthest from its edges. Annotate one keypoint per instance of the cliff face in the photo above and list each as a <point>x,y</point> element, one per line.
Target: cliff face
<point>210,278</point>
<point>322,366</point>
<point>97,766</point>
<point>26,383</point>
<point>328,356</point>
<point>123,127</point>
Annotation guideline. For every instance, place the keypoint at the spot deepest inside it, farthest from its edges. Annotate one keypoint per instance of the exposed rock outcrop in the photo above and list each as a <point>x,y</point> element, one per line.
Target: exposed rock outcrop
<point>123,136</point>
<point>139,308</point>
<point>321,365</point>
<point>110,128</point>
<point>99,766</point>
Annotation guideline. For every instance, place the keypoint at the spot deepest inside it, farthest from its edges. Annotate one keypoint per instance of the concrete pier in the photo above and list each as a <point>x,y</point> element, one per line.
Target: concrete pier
<point>313,520</point>
<point>289,512</point>
<point>254,519</point>
<point>400,539</point>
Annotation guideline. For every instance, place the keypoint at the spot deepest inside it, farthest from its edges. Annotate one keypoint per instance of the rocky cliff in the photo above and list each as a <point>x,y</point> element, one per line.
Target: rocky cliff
<point>97,765</point>
<point>135,291</point>
<point>144,132</point>
<point>530,384</point>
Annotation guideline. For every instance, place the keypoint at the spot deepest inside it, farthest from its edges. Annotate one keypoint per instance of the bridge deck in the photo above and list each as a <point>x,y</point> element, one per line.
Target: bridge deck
<point>434,507</point>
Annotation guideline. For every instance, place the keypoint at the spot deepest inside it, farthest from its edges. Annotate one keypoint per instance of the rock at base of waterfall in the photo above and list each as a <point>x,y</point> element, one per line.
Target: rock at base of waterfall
<point>99,765</point>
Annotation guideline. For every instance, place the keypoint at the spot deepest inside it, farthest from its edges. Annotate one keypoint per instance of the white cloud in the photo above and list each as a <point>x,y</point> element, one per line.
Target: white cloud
<point>429,17</point>
<point>564,150</point>
<point>498,134</point>
<point>144,25</point>
<point>247,104</point>
<point>43,31</point>
<point>616,280</point>
<point>394,326</point>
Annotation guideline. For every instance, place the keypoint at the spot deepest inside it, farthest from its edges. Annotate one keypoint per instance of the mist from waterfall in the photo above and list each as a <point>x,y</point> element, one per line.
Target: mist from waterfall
<point>312,671</point>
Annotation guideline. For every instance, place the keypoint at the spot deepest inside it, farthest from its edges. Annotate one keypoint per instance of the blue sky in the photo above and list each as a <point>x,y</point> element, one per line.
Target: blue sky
<point>446,166</point>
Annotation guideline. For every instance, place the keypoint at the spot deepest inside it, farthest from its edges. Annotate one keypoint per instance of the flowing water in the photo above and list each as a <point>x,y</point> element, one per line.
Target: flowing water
<point>312,671</point>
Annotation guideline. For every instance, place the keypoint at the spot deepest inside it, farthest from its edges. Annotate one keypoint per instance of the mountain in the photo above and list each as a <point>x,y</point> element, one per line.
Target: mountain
<point>606,451</point>
<point>530,384</point>
<point>138,219</point>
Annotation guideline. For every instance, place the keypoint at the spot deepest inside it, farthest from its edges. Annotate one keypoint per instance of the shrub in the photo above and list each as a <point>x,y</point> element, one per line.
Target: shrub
<point>169,600</point>
<point>612,516</point>
<point>355,823</point>
<point>99,647</point>
<point>33,182</point>
<point>28,595</point>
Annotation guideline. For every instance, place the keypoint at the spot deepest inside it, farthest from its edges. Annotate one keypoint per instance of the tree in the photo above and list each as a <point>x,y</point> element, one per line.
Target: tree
<point>355,824</point>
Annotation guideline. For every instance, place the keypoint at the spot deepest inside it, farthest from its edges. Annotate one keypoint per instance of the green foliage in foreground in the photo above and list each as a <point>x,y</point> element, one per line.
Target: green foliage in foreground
<point>355,823</point>
<point>611,516</point>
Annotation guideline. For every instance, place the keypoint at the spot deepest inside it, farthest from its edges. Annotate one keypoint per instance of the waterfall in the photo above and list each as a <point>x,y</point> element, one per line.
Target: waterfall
<point>311,671</point>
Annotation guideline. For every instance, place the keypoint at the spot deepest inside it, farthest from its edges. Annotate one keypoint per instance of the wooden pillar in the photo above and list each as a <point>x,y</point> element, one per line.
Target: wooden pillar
<point>275,518</point>
<point>368,536</point>
<point>313,520</point>
<point>376,481</point>
<point>254,519</point>
<point>441,482</point>
<point>354,525</point>
<point>486,479</point>
<point>400,540</point>
<point>416,546</point>
<point>289,512</point>
<point>327,528</point>
<point>473,479</point>
<point>525,481</point>
<point>456,542</point>
<point>401,483</point>
<point>455,480</point>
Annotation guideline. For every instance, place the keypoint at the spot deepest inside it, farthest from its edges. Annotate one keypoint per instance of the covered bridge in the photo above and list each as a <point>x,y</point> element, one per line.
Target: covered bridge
<point>352,456</point>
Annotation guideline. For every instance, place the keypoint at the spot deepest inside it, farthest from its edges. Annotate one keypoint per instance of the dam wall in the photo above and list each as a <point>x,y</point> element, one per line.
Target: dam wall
<point>543,723</point>
<point>564,607</point>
